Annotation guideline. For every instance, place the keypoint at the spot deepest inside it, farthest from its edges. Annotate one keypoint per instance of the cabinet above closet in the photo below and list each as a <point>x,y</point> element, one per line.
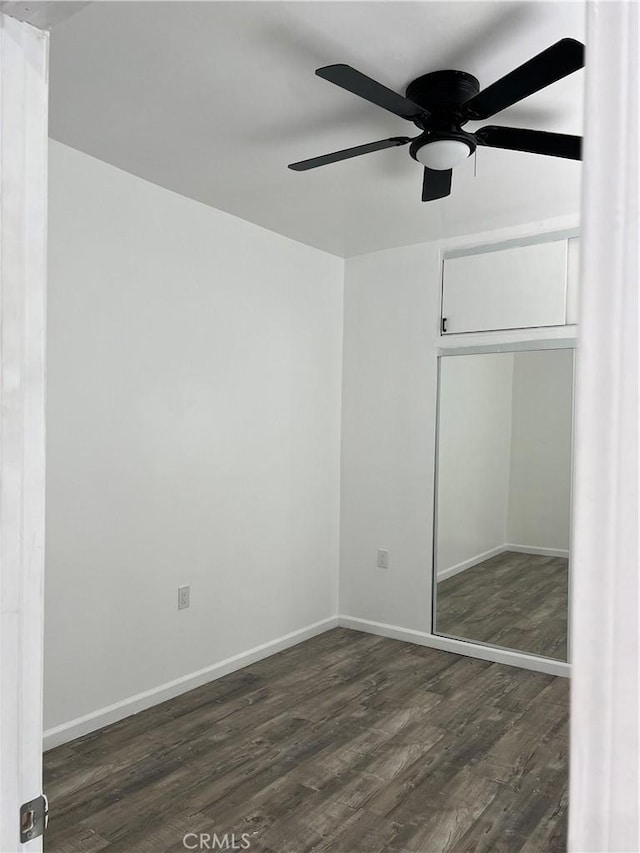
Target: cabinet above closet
<point>510,286</point>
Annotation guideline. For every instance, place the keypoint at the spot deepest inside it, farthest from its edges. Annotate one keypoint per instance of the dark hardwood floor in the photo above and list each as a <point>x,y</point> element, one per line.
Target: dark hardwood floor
<point>347,743</point>
<point>518,601</point>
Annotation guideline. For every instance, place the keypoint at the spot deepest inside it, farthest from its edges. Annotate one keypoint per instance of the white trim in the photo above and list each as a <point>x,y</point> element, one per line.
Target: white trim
<point>459,647</point>
<point>569,224</point>
<point>604,783</point>
<point>520,345</point>
<point>510,340</point>
<point>472,561</point>
<point>133,704</point>
<point>553,236</point>
<point>23,262</point>
<point>535,549</point>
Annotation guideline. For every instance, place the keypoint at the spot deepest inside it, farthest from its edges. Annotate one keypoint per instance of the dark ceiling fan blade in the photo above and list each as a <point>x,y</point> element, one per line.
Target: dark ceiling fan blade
<point>359,84</point>
<point>561,59</point>
<point>534,141</point>
<point>436,184</point>
<point>346,153</point>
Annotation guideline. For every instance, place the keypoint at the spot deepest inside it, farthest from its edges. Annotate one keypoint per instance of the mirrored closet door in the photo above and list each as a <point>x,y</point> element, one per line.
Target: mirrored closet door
<point>503,498</point>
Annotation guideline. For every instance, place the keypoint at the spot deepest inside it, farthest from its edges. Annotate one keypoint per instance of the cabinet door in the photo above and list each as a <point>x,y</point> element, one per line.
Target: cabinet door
<point>513,288</point>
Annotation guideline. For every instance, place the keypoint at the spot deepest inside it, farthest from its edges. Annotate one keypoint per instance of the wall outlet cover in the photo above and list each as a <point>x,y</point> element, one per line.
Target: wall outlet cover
<point>383,558</point>
<point>184,595</point>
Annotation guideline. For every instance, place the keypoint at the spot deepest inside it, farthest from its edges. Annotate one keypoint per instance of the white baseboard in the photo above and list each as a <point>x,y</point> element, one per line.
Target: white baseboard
<point>133,704</point>
<point>534,549</point>
<point>472,561</point>
<point>460,647</point>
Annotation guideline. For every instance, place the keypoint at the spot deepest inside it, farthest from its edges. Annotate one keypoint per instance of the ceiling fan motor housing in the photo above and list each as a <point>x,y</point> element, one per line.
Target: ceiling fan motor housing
<point>442,91</point>
<point>442,94</point>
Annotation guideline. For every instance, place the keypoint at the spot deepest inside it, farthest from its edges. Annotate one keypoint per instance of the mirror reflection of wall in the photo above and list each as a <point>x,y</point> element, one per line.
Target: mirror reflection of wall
<point>503,499</point>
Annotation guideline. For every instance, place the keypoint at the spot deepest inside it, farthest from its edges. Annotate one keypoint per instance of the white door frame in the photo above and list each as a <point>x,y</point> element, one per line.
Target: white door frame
<point>603,790</point>
<point>24,52</point>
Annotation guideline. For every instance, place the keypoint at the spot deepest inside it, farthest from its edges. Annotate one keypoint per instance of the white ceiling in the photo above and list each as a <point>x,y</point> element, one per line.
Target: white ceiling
<point>214,99</point>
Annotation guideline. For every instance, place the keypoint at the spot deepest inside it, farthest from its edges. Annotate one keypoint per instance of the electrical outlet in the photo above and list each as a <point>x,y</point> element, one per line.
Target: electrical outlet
<point>383,558</point>
<point>184,593</point>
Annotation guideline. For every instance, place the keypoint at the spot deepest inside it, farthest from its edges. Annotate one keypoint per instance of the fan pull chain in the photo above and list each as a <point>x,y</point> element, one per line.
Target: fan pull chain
<point>475,163</point>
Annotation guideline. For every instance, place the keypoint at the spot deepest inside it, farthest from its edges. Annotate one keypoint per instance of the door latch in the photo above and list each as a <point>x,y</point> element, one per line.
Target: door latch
<point>34,817</point>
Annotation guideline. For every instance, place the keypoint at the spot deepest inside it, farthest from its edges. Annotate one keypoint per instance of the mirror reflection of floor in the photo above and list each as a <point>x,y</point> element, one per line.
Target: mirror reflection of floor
<point>517,601</point>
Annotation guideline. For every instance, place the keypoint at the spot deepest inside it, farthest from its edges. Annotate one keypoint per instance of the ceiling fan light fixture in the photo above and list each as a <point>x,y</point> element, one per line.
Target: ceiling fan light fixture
<point>443,153</point>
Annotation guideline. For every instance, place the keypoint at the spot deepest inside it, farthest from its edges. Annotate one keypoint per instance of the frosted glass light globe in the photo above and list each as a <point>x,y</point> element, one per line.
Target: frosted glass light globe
<point>443,153</point>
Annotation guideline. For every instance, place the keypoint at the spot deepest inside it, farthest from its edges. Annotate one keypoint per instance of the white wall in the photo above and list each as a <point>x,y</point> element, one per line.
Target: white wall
<point>540,478</point>
<point>473,457</point>
<point>388,428</point>
<point>194,365</point>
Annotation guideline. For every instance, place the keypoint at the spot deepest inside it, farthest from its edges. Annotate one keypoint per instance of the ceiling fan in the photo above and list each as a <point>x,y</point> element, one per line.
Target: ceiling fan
<point>440,103</point>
